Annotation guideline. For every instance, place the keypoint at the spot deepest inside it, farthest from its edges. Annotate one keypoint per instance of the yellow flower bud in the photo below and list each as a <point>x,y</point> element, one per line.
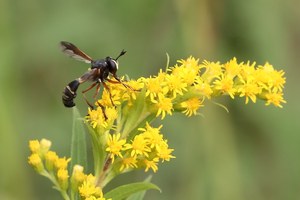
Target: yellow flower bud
<point>35,161</point>
<point>62,163</point>
<point>77,177</point>
<point>50,159</point>
<point>45,146</point>
<point>62,175</point>
<point>34,146</point>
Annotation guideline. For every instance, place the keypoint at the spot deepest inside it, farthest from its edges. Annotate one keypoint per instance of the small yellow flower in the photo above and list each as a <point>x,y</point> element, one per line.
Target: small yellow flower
<point>154,87</point>
<point>225,84</point>
<point>152,135</point>
<point>45,145</point>
<point>62,175</point>
<point>164,153</point>
<point>35,161</point>
<point>96,117</point>
<point>249,89</point>
<point>161,77</point>
<point>115,145</point>
<point>191,106</point>
<point>50,159</point>
<point>62,163</point>
<point>190,62</point>
<point>203,88</point>
<point>151,164</point>
<point>270,77</point>
<point>164,106</point>
<point>188,70</point>
<point>128,163</point>
<point>212,70</point>
<point>232,68</point>
<point>135,85</point>
<point>34,146</point>
<point>77,177</point>
<point>111,114</point>
<point>175,85</point>
<point>278,80</point>
<point>110,96</point>
<point>86,189</point>
<point>89,189</point>
<point>139,146</point>
<point>275,98</point>
<point>130,94</point>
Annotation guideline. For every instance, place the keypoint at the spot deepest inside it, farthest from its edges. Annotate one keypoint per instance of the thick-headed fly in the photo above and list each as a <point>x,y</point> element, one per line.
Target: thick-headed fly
<point>98,73</point>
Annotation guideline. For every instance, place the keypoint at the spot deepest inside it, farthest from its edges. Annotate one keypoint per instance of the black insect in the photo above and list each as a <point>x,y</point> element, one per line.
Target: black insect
<point>98,73</point>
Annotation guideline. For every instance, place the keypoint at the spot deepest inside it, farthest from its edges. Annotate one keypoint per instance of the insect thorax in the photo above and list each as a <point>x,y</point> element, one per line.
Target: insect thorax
<point>99,64</point>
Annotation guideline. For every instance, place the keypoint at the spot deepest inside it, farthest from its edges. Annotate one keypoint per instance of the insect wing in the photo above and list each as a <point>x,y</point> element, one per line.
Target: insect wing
<point>74,52</point>
<point>89,75</point>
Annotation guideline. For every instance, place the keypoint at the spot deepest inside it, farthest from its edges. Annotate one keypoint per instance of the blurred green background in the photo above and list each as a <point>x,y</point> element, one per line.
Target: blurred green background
<point>250,153</point>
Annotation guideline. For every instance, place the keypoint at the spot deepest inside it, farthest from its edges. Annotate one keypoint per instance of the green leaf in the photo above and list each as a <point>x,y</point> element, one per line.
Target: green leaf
<point>78,143</point>
<point>99,153</point>
<point>125,191</point>
<point>140,195</point>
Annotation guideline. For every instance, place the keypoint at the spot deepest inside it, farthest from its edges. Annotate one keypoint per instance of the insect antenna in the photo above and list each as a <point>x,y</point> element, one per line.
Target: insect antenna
<point>121,54</point>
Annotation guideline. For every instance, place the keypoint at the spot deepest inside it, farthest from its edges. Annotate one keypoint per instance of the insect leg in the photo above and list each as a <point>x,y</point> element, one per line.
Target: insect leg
<point>120,82</point>
<point>103,109</point>
<point>97,90</point>
<point>84,91</point>
<point>99,104</point>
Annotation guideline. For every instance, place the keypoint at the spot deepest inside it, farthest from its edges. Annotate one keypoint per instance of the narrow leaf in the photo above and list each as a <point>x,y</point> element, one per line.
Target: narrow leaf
<point>125,191</point>
<point>140,195</point>
<point>78,143</point>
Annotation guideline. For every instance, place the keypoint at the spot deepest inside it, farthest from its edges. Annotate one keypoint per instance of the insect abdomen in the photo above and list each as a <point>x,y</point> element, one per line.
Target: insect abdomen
<point>69,93</point>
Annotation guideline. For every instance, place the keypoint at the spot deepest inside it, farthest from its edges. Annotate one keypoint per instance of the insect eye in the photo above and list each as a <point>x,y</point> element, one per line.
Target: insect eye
<point>113,66</point>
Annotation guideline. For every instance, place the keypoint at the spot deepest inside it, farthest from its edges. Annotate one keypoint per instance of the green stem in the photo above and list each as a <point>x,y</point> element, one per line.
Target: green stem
<point>102,178</point>
<point>56,184</point>
<point>109,176</point>
<point>72,195</point>
<point>65,195</point>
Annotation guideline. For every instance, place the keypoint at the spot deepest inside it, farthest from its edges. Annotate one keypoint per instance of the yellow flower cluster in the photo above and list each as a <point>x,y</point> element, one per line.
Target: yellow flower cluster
<point>185,86</point>
<point>122,137</point>
<point>249,81</point>
<point>48,164</point>
<point>145,150</point>
<point>126,107</point>
<point>98,119</point>
<point>89,191</point>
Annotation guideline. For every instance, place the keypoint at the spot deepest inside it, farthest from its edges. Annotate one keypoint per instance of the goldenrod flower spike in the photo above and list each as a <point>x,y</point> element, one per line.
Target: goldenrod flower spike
<point>120,127</point>
<point>185,88</point>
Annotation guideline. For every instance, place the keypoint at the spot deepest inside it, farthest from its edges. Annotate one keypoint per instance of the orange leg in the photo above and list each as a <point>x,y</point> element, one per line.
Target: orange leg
<point>91,86</point>
<point>97,90</point>
<point>84,91</point>
<point>119,82</point>
<point>103,110</point>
